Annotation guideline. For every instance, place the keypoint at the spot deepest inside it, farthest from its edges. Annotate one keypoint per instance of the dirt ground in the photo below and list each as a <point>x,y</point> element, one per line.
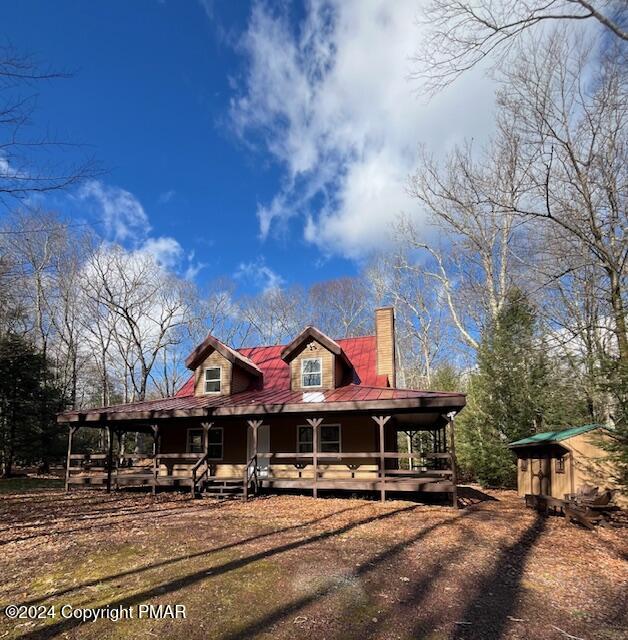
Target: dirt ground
<point>296,567</point>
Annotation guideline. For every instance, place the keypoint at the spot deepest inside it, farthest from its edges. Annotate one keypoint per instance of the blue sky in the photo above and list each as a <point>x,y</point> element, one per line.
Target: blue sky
<point>271,142</point>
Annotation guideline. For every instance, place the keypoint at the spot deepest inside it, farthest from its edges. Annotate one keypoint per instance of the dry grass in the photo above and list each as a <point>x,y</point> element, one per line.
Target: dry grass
<point>295,567</point>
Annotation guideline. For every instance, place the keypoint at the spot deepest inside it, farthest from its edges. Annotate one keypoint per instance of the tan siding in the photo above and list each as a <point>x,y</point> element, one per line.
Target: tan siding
<point>240,380</point>
<point>385,334</point>
<point>523,478</point>
<point>585,463</point>
<point>357,433</point>
<point>214,359</point>
<point>313,349</point>
<point>590,463</point>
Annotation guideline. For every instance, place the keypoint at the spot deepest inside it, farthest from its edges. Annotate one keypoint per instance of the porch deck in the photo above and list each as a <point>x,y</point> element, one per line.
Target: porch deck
<point>350,471</point>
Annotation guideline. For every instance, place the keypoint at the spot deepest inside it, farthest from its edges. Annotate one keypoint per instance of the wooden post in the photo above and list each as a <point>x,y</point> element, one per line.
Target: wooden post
<point>315,424</point>
<point>255,425</point>
<point>452,453</point>
<point>206,427</point>
<point>69,461</point>
<point>109,459</point>
<point>119,438</point>
<point>381,421</point>
<point>155,429</point>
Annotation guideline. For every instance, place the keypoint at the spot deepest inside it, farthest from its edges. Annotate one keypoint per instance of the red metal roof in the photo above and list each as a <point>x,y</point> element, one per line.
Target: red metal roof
<point>367,386</point>
<point>362,352</point>
<point>268,398</point>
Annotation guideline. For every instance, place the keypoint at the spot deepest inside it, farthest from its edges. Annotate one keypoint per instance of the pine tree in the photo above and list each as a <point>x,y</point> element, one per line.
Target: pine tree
<point>513,393</point>
<point>29,401</point>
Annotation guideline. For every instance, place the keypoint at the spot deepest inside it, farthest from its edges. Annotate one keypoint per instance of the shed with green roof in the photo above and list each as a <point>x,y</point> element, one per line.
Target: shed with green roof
<point>556,463</point>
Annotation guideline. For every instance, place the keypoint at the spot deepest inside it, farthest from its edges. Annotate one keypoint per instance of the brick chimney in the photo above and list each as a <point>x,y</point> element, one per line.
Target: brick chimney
<point>385,334</point>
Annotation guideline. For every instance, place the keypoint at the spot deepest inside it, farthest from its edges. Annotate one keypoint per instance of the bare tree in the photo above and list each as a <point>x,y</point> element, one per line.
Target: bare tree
<point>569,115</point>
<point>149,307</point>
<point>422,323</point>
<point>25,164</point>
<point>474,265</point>
<point>342,307</point>
<point>462,34</point>
<point>275,316</point>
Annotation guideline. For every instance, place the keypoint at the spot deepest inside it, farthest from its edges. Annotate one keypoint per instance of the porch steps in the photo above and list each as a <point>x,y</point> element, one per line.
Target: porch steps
<point>223,488</point>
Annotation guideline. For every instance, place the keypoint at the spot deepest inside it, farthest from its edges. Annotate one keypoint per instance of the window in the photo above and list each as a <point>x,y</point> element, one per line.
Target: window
<point>213,376</point>
<point>329,439</point>
<point>195,441</point>
<point>524,464</point>
<point>214,446</point>
<point>311,372</point>
<point>560,465</point>
<point>214,442</point>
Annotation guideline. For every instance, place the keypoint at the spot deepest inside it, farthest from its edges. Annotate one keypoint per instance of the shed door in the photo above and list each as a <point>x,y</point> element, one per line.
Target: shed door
<point>541,476</point>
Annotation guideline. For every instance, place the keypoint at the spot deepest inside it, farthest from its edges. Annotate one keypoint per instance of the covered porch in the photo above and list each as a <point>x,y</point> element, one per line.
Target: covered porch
<point>357,451</point>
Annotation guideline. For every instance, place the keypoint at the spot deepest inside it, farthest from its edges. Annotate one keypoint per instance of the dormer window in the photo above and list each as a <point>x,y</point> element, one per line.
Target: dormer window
<point>311,372</point>
<point>213,377</point>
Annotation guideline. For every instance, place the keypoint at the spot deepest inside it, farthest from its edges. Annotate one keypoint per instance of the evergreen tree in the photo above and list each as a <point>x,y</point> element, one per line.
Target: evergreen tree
<point>513,393</point>
<point>29,401</point>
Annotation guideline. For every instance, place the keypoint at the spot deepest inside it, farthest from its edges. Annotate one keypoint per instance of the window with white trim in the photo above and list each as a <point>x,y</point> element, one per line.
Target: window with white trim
<point>329,439</point>
<point>213,377</point>
<point>311,372</point>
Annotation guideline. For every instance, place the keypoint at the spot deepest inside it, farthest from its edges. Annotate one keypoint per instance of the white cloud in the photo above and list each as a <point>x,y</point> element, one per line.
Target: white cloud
<point>167,252</point>
<point>126,223</point>
<point>123,215</point>
<point>260,274</point>
<point>332,103</point>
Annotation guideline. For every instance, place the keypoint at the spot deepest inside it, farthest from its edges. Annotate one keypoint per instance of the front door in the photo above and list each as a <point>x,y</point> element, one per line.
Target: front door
<point>541,476</point>
<point>263,446</point>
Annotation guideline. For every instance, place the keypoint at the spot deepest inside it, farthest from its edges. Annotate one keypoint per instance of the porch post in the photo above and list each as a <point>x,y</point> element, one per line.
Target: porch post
<point>119,438</point>
<point>155,428</point>
<point>255,425</point>
<point>452,453</point>
<point>206,427</point>
<point>314,423</point>
<point>109,459</point>
<point>68,461</point>
<point>381,421</point>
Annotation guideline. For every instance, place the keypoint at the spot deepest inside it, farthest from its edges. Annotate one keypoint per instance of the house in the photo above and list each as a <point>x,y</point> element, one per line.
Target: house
<point>557,463</point>
<point>314,414</point>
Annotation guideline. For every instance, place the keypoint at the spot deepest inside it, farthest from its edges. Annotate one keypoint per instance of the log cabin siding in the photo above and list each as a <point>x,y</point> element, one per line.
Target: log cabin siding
<point>313,349</point>
<point>214,359</point>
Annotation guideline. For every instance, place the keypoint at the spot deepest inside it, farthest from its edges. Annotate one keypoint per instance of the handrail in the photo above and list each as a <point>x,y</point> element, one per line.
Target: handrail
<point>196,479</point>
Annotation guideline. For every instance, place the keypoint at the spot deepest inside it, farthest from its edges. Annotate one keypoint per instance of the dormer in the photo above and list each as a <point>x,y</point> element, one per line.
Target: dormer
<point>316,362</point>
<point>219,370</point>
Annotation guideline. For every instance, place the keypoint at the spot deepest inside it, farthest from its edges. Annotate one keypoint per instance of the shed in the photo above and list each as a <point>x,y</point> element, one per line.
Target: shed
<point>556,463</point>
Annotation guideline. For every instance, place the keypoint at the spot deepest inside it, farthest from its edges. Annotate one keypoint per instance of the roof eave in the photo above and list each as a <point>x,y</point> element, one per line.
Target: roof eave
<point>451,403</point>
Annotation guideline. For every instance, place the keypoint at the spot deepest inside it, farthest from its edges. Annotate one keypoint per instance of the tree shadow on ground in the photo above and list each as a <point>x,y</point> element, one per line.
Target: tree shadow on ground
<point>187,556</point>
<point>362,570</point>
<point>155,513</point>
<point>471,495</point>
<point>197,576</point>
<point>487,613</point>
